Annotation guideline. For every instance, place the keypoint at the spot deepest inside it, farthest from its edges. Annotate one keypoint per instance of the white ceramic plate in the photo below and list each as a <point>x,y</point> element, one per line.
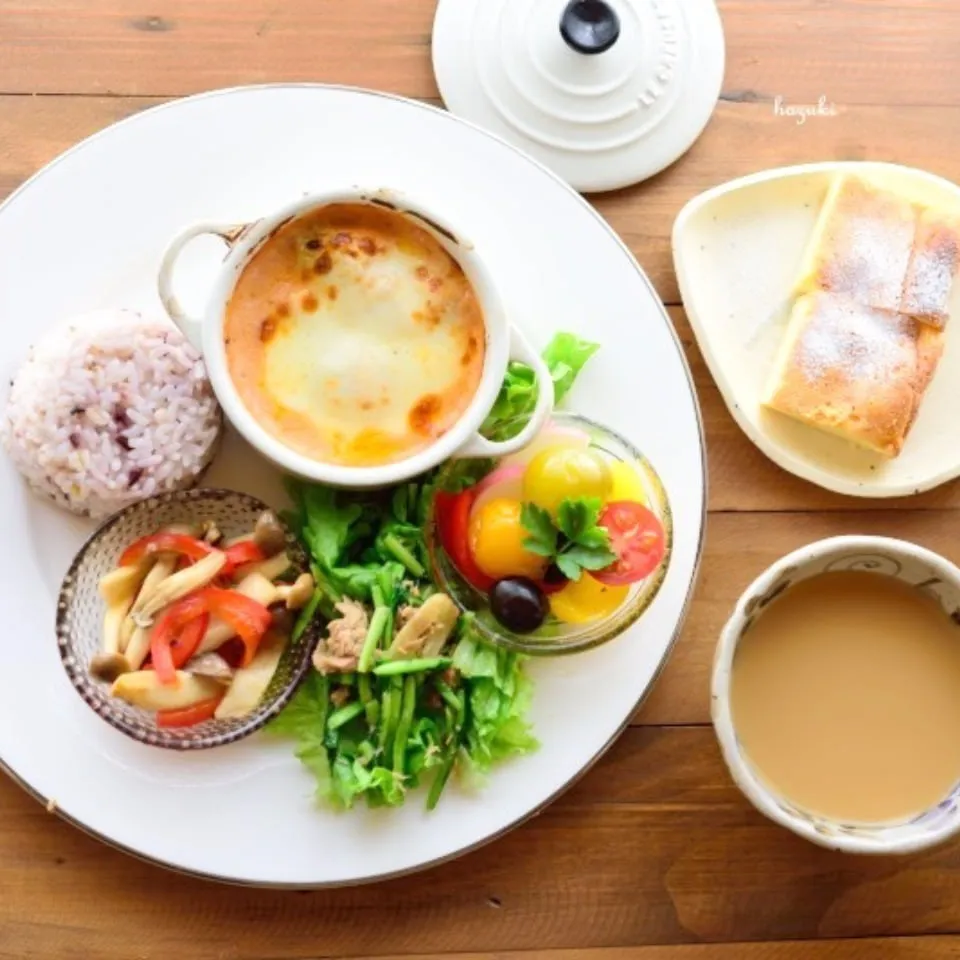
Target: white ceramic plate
<point>88,232</point>
<point>737,249</point>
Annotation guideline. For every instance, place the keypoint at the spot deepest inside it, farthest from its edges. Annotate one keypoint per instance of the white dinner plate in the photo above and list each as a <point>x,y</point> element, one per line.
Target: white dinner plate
<point>737,250</point>
<point>88,232</point>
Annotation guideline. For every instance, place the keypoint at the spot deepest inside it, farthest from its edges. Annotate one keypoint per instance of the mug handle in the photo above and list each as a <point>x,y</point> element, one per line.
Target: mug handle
<point>479,446</point>
<point>191,326</point>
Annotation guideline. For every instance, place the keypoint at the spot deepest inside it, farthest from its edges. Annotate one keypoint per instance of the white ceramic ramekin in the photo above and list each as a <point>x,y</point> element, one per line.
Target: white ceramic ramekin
<point>894,558</point>
<point>504,342</point>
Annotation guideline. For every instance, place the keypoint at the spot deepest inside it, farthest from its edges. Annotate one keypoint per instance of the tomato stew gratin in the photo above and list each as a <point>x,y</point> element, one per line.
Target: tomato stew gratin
<point>354,337</point>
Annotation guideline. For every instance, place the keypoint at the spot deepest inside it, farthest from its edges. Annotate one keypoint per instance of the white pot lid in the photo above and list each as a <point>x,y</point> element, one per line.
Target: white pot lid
<point>604,92</point>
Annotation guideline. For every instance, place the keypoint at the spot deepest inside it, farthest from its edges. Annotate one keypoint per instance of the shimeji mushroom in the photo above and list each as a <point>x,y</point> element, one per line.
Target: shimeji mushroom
<point>178,585</point>
<point>119,589</point>
<point>108,666</point>
<point>268,534</point>
<point>271,568</point>
<point>210,665</point>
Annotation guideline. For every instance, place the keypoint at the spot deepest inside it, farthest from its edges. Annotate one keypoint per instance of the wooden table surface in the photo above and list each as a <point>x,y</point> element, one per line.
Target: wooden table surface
<point>654,855</point>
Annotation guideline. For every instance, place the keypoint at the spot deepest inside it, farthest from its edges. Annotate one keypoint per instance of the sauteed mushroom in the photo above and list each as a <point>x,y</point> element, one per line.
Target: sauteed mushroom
<point>268,533</point>
<point>193,630</point>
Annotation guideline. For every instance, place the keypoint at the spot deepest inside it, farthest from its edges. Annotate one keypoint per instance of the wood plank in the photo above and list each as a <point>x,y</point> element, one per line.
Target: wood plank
<point>789,48</point>
<point>867,948</point>
<point>33,130</point>
<point>739,547</point>
<point>655,846</point>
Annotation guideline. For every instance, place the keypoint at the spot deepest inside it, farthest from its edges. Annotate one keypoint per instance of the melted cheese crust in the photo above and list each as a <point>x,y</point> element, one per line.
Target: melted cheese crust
<point>353,337</point>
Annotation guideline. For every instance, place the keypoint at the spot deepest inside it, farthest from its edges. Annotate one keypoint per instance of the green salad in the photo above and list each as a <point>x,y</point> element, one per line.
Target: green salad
<point>404,691</point>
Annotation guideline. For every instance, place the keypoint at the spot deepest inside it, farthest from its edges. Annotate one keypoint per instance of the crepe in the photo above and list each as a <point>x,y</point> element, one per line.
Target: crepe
<point>853,370</point>
<point>933,267</point>
<point>861,246</point>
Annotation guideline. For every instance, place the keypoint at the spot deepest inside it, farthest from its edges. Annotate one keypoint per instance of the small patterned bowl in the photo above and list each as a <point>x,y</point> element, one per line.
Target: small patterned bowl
<point>922,569</point>
<point>555,638</point>
<point>80,611</point>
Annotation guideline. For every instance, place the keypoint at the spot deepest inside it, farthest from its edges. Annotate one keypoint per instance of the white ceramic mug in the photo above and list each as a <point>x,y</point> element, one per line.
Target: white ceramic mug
<point>504,343</point>
<point>905,561</point>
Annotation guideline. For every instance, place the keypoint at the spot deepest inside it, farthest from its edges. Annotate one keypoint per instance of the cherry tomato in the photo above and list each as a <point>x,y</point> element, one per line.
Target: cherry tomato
<point>636,537</point>
<point>559,473</point>
<point>627,482</point>
<point>586,599</point>
<point>496,542</point>
<point>552,435</point>
<point>452,512</point>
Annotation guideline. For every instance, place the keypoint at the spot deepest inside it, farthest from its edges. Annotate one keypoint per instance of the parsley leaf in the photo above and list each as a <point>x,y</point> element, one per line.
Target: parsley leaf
<point>574,542</point>
<point>590,558</point>
<point>543,534</point>
<point>576,517</point>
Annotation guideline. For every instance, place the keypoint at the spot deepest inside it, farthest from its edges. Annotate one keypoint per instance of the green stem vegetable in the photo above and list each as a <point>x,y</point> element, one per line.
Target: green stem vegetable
<point>307,614</point>
<point>450,698</point>
<point>387,637</point>
<point>377,624</point>
<point>406,719</point>
<point>440,780</point>
<point>370,704</point>
<point>397,668</point>
<point>389,714</point>
<point>403,555</point>
<point>344,715</point>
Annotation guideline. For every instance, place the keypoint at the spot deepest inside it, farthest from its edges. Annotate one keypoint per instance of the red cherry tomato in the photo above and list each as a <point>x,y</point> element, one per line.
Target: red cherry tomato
<point>636,537</point>
<point>452,512</point>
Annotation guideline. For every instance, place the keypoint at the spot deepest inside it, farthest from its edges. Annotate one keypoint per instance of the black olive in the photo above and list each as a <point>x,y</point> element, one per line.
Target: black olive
<point>518,603</point>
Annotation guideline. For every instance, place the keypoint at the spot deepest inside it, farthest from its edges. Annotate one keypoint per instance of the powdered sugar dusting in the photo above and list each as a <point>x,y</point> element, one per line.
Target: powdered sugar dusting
<point>110,409</point>
<point>871,237</point>
<point>933,268</point>
<point>850,341</point>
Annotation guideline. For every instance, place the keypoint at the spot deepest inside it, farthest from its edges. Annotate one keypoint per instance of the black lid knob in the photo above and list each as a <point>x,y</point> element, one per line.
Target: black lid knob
<point>590,26</point>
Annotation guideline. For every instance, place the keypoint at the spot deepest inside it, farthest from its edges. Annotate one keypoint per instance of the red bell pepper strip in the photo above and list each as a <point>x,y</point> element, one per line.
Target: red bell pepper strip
<point>186,616</point>
<point>452,512</point>
<point>242,553</point>
<point>247,617</point>
<point>181,543</point>
<point>189,716</point>
<point>185,646</point>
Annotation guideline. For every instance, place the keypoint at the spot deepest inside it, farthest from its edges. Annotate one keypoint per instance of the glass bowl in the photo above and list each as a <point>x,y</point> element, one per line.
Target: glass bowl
<point>554,637</point>
<point>80,612</point>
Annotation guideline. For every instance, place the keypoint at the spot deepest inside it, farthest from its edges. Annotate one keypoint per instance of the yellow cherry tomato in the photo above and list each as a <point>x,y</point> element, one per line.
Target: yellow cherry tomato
<point>559,473</point>
<point>496,541</point>
<point>586,599</point>
<point>627,484</point>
